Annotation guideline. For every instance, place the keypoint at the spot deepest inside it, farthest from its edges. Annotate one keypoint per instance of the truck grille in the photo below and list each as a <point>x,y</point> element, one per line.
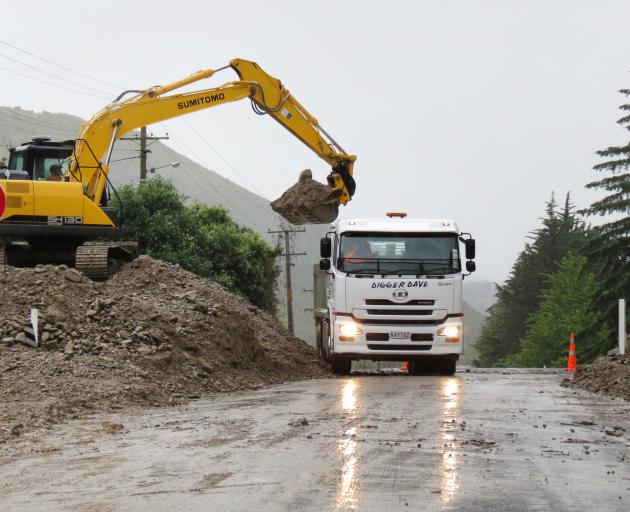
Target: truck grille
<point>406,348</point>
<point>387,302</point>
<point>409,312</point>
<point>393,321</point>
<point>384,336</point>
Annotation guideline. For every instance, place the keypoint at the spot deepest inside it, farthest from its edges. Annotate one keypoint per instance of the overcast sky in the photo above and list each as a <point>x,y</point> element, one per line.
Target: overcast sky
<point>472,110</point>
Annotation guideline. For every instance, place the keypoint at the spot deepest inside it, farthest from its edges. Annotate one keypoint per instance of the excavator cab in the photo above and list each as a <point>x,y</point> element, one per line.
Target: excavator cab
<point>34,160</point>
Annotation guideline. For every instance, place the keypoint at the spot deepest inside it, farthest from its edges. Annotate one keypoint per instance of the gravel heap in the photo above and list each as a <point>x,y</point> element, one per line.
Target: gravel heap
<point>609,375</point>
<point>153,334</point>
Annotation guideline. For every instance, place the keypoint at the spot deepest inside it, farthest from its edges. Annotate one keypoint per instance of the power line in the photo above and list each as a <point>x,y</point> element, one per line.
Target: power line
<point>117,87</point>
<point>186,148</point>
<point>26,119</point>
<point>183,169</point>
<point>243,212</point>
<point>205,141</point>
<point>143,149</point>
<point>207,167</point>
<point>52,84</point>
<point>11,126</point>
<point>51,74</point>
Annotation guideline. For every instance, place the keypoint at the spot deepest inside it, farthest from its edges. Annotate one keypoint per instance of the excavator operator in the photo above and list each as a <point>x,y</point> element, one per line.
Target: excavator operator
<point>54,173</point>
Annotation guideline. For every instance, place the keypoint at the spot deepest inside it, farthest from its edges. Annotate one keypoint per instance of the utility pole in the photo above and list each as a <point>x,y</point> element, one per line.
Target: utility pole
<point>143,149</point>
<point>143,154</point>
<point>286,233</point>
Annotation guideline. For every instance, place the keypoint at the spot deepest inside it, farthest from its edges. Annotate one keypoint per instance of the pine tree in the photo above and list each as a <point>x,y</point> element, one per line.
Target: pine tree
<point>565,307</point>
<point>609,248</point>
<point>561,232</point>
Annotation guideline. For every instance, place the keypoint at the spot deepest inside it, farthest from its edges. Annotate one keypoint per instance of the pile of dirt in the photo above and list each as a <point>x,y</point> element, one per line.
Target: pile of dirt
<point>153,334</point>
<point>609,375</point>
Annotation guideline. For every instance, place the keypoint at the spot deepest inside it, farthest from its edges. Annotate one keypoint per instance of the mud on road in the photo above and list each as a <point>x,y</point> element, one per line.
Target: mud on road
<point>480,441</point>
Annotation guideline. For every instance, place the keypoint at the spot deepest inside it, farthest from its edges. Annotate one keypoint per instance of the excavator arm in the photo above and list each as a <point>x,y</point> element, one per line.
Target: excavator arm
<point>315,203</point>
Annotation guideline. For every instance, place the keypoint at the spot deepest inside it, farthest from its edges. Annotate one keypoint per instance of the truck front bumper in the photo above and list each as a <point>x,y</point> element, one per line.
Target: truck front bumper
<point>397,342</point>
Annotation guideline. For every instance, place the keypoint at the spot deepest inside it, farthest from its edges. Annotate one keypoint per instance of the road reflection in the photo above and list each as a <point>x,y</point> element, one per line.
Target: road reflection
<point>347,448</point>
<point>449,463</point>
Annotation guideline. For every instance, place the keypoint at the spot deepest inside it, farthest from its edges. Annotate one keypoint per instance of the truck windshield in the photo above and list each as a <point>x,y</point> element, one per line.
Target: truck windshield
<point>399,253</point>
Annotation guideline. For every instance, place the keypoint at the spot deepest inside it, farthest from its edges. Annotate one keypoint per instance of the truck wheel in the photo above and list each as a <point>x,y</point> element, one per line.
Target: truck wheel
<point>448,366</point>
<point>342,366</point>
<point>418,368</point>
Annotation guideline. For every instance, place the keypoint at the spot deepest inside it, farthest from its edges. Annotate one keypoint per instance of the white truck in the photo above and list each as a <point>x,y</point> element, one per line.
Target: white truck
<point>390,289</point>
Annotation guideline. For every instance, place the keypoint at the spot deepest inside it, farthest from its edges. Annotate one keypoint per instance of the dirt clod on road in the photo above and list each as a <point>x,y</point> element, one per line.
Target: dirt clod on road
<point>154,334</point>
<point>609,375</point>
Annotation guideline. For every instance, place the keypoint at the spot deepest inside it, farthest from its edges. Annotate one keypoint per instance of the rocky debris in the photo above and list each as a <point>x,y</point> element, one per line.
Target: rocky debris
<point>479,442</point>
<point>151,335</point>
<point>302,422</point>
<point>609,375</point>
<point>615,431</point>
<point>308,201</point>
<point>112,428</point>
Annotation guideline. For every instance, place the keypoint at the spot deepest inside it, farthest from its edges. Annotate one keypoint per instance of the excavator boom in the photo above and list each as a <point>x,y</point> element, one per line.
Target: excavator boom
<point>307,202</point>
<point>53,197</point>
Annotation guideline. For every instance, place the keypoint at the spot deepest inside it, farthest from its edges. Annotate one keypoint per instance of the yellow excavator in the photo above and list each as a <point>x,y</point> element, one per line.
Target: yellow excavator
<point>54,196</point>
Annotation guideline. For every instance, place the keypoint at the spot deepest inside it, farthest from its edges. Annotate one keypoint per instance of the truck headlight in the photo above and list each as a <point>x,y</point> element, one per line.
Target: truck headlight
<point>349,330</point>
<point>450,331</point>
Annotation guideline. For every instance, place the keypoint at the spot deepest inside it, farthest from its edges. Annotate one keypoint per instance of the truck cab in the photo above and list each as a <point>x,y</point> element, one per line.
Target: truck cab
<point>391,289</point>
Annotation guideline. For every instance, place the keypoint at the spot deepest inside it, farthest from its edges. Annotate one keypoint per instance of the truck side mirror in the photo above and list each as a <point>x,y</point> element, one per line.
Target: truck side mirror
<point>325,247</point>
<point>470,248</point>
<point>471,266</point>
<point>324,265</point>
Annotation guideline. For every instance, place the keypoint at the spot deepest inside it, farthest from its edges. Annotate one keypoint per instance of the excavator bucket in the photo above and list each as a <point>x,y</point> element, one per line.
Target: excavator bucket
<point>308,202</point>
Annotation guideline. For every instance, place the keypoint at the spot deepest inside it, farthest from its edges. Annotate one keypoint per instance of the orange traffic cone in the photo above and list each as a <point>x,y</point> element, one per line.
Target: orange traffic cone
<point>572,360</point>
<point>404,366</point>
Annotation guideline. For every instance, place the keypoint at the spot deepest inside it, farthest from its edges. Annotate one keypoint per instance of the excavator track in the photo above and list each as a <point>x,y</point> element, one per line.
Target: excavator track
<point>98,261</point>
<point>3,255</point>
<point>93,261</point>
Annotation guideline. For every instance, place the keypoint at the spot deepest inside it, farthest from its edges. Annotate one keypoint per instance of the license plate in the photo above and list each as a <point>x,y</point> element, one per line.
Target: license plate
<point>399,335</point>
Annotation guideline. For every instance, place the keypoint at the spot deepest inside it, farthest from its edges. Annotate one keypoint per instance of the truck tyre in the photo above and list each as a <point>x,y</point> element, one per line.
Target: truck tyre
<point>417,368</point>
<point>342,366</point>
<point>448,366</point>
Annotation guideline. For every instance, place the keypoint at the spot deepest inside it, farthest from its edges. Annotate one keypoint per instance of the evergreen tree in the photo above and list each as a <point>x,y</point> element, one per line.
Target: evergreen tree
<point>202,239</point>
<point>561,232</point>
<point>609,249</point>
<point>565,307</point>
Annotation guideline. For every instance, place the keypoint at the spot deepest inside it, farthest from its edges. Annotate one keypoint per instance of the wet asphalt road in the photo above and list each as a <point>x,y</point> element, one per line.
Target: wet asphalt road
<point>480,441</point>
